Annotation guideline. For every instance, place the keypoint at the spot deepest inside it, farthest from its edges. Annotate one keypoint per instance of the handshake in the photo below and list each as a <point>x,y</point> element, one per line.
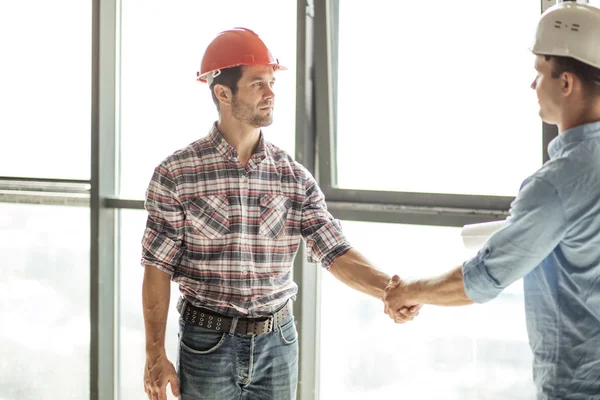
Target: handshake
<point>400,301</point>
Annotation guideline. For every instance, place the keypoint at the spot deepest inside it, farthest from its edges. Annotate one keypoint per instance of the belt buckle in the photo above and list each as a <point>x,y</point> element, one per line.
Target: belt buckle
<point>269,327</point>
<point>271,320</point>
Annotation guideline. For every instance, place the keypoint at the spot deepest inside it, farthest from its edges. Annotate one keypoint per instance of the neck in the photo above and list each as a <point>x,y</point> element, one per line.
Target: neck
<point>242,137</point>
<point>577,117</point>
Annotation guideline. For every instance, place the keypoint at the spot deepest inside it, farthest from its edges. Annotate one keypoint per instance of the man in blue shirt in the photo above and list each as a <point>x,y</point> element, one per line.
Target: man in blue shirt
<point>552,237</point>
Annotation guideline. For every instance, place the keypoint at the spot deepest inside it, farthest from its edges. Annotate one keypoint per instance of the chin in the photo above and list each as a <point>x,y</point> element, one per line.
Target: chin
<point>547,120</point>
<point>267,122</point>
<point>543,116</point>
<point>261,123</point>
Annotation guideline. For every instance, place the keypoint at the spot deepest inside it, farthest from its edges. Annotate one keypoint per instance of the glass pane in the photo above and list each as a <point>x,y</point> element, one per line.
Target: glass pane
<point>595,3</point>
<point>444,110</point>
<point>132,355</point>
<point>44,302</point>
<point>163,108</point>
<point>452,353</point>
<point>46,88</point>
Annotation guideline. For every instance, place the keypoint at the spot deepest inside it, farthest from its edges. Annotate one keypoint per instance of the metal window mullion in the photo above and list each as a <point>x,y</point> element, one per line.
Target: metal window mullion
<point>131,204</point>
<point>102,219</point>
<point>44,198</point>
<point>306,275</point>
<point>324,106</point>
<point>42,191</point>
<point>42,181</point>
<point>333,22</point>
<point>411,215</point>
<point>413,199</point>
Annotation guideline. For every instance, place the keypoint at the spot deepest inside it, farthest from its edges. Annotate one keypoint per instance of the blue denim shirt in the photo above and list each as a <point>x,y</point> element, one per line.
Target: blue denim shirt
<point>552,239</point>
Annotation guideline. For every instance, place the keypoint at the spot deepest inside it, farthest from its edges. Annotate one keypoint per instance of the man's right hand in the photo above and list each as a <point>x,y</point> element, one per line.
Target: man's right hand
<point>157,373</point>
<point>406,312</point>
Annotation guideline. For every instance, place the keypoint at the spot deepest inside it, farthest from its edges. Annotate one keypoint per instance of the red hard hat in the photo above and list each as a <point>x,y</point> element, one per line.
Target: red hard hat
<point>237,46</point>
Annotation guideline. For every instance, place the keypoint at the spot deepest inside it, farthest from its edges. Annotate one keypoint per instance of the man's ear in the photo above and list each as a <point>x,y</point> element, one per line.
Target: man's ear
<point>567,80</point>
<point>223,94</point>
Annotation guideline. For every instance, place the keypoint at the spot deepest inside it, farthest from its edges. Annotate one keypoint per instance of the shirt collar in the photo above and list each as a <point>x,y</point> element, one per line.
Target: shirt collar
<point>557,146</point>
<point>229,153</point>
<point>260,153</point>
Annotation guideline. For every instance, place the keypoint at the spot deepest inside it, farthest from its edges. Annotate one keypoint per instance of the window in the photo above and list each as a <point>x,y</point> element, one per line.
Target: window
<point>44,302</point>
<point>163,108</point>
<point>474,352</point>
<point>436,102</point>
<point>46,88</point>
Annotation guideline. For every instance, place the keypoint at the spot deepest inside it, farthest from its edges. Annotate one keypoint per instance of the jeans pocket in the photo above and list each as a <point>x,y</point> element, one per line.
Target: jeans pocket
<point>273,215</point>
<point>288,332</point>
<point>197,340</point>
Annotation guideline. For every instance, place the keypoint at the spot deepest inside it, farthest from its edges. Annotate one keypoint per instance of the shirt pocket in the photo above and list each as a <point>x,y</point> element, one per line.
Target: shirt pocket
<point>273,215</point>
<point>209,215</point>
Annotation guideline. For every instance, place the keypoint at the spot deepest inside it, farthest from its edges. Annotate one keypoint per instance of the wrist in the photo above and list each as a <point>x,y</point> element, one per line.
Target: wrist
<point>383,284</point>
<point>155,355</point>
<point>417,292</point>
<point>155,351</point>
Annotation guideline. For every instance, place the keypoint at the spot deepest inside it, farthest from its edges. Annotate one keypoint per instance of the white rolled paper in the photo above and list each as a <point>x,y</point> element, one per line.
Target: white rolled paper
<point>475,235</point>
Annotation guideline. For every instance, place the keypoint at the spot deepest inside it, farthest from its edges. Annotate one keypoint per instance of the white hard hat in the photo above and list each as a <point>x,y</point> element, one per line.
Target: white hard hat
<point>569,29</point>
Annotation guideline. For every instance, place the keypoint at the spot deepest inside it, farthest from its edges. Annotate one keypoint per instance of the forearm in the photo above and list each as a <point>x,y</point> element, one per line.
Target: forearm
<point>156,292</point>
<point>353,269</point>
<point>445,290</point>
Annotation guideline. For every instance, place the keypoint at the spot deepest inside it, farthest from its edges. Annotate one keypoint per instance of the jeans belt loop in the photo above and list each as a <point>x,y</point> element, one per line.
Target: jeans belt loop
<point>234,321</point>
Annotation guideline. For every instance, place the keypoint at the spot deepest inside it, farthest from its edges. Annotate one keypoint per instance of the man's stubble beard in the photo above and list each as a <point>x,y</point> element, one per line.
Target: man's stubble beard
<point>247,113</point>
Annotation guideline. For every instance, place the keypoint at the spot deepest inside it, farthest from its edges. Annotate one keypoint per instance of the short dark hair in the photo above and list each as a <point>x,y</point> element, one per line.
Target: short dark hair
<point>228,77</point>
<point>590,76</point>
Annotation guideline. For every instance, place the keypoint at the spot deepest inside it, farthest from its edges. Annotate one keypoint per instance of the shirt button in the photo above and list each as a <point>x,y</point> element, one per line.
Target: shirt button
<point>244,177</point>
<point>245,272</point>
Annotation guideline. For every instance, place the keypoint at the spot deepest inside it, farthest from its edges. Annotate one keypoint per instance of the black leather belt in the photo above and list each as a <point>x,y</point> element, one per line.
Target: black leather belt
<point>221,323</point>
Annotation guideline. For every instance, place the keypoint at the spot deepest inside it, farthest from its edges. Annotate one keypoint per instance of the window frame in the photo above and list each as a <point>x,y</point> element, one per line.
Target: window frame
<point>392,206</point>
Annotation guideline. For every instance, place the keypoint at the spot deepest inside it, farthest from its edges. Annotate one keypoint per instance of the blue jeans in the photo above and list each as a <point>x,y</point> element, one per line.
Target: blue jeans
<point>223,366</point>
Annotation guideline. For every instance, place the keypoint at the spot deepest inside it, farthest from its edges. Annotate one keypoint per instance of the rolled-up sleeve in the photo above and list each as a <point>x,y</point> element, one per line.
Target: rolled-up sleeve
<point>163,236</point>
<point>323,234</point>
<point>536,225</point>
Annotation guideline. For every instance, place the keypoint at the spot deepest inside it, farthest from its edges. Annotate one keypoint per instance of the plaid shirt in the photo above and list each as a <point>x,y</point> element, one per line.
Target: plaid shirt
<point>228,234</point>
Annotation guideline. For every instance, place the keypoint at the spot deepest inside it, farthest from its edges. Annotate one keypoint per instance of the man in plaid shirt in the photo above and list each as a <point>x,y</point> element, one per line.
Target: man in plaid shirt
<point>226,216</point>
